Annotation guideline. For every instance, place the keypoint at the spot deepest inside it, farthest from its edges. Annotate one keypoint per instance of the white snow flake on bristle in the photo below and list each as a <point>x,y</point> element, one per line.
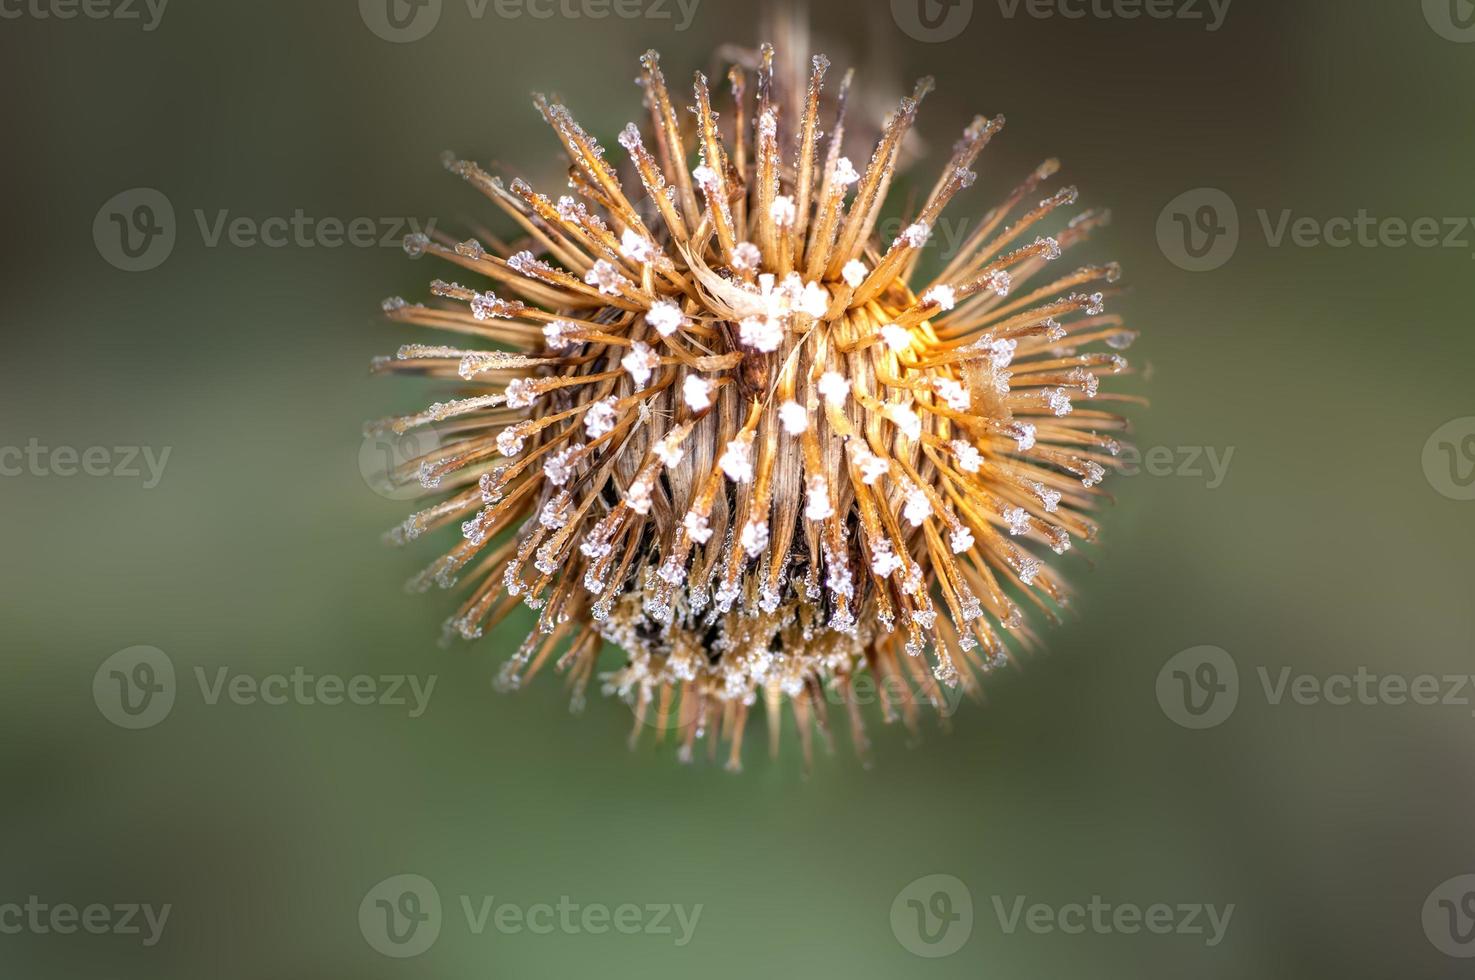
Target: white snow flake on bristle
<point>745,257</point>
<point>630,137</point>
<point>754,538</point>
<point>897,338</point>
<point>509,441</point>
<point>394,303</point>
<point>854,273</point>
<point>915,235</point>
<point>568,208</point>
<point>907,420</point>
<point>883,560</point>
<point>1095,472</point>
<point>794,418</point>
<point>669,450</point>
<point>1050,248</point>
<point>557,468</point>
<point>954,393</point>
<point>819,506</point>
<point>761,333</point>
<point>969,459</point>
<point>944,296</point>
<point>737,460</point>
<point>556,512</point>
<point>705,177</point>
<point>872,467</point>
<point>1053,330</point>
<point>1029,567</point>
<point>600,417</point>
<point>833,388</point>
<point>918,508</point>
<point>813,300</point>
<point>520,393</point>
<point>1018,520</point>
<point>415,244</point>
<point>1000,282</point>
<point>844,173</point>
<point>1024,435</point>
<point>1093,304</point>
<point>1058,400</point>
<point>1049,499</point>
<point>960,540</point>
<point>640,362</point>
<point>666,317</point>
<point>696,391</point>
<point>782,211</point>
<point>484,306</point>
<point>636,247</point>
<point>557,333</point>
<point>606,277</point>
<point>696,527</point>
<point>638,496</point>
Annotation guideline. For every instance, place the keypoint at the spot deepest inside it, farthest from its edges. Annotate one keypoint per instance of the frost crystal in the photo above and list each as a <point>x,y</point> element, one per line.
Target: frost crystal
<point>696,527</point>
<point>761,333</point>
<point>794,418</point>
<point>754,538</point>
<point>737,460</point>
<point>558,469</point>
<point>943,296</point>
<point>640,362</point>
<point>557,333</point>
<point>696,391</point>
<point>918,507</point>
<point>833,388</point>
<point>782,211</point>
<point>915,235</point>
<point>854,273</point>
<point>819,506</point>
<point>635,247</point>
<point>509,441</point>
<point>896,338</point>
<point>606,277</point>
<point>666,317</point>
<point>844,172</point>
<point>969,459</point>
<point>745,257</point>
<point>600,417</point>
<point>521,393</point>
<point>907,420</point>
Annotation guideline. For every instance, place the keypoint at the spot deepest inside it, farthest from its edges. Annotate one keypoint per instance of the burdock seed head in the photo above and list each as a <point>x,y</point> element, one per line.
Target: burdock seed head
<point>711,417</point>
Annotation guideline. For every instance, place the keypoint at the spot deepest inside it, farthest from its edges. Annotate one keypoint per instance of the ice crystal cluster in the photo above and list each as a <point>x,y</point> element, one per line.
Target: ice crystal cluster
<point>709,415</point>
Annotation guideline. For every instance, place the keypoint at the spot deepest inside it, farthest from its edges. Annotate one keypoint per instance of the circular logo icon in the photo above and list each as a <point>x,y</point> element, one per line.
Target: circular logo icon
<point>1199,230</point>
<point>389,462</point>
<point>1199,687</point>
<point>1449,459</point>
<point>932,21</point>
<point>134,231</point>
<point>400,916</point>
<point>400,21</point>
<point>933,916</point>
<point>1449,917</point>
<point>1453,20</point>
<point>134,688</point>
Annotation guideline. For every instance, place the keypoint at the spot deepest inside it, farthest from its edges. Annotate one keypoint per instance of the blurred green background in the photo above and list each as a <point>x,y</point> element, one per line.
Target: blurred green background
<point>1327,547</point>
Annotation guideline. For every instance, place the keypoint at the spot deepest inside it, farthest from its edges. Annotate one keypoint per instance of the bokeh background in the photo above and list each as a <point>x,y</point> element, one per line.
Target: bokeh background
<point>1332,543</point>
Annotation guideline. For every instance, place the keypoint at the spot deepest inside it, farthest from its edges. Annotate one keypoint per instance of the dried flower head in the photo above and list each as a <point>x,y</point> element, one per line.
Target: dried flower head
<point>722,426</point>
